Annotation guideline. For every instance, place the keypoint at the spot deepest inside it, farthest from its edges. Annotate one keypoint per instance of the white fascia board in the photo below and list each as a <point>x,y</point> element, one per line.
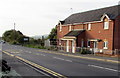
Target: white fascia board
<point>105,15</point>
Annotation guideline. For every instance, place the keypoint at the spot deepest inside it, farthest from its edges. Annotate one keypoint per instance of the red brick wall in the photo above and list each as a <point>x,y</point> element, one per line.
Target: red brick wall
<point>77,26</point>
<point>117,33</point>
<point>97,32</point>
<point>65,30</point>
<point>80,38</point>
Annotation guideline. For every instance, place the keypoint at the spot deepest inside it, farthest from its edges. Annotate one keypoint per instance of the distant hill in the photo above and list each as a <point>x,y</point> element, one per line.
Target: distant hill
<point>39,36</point>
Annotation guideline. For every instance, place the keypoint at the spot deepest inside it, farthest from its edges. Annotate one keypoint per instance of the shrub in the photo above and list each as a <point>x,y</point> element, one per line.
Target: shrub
<point>85,51</point>
<point>52,48</point>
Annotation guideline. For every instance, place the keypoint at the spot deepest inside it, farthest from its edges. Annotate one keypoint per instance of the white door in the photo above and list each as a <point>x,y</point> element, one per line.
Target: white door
<point>73,46</point>
<point>67,46</point>
<point>95,47</point>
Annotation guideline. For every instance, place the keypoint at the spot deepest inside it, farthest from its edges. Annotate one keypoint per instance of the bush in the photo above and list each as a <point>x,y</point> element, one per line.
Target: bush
<point>85,51</point>
<point>14,42</point>
<point>52,48</point>
<point>34,46</point>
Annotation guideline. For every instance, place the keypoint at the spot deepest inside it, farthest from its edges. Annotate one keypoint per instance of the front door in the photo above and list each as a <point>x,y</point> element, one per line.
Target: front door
<point>67,46</point>
<point>73,46</point>
<point>95,46</point>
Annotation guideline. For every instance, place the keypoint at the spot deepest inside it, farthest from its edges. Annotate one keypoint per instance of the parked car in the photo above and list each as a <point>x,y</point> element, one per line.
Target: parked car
<point>2,41</point>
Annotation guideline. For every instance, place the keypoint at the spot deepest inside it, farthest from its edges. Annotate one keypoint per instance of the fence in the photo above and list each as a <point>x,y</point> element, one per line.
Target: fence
<point>84,50</point>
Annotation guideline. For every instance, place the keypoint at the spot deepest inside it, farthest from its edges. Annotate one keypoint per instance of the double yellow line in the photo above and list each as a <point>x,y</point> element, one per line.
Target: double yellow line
<point>57,75</point>
<point>76,56</point>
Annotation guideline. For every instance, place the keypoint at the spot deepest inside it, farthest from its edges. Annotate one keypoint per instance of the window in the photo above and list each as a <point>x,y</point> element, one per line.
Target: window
<point>60,27</point>
<point>89,26</point>
<point>88,43</point>
<point>70,28</point>
<point>105,45</point>
<point>106,25</point>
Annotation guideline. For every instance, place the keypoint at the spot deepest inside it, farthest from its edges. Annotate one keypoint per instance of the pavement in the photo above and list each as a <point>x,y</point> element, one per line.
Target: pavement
<point>19,69</point>
<point>67,65</point>
<point>86,56</point>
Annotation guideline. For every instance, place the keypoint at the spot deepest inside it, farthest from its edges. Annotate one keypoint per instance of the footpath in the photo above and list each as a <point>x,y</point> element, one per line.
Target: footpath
<point>99,57</point>
<point>18,69</point>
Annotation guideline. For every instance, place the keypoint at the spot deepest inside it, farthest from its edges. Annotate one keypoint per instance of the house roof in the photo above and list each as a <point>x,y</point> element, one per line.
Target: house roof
<point>74,33</point>
<point>93,15</point>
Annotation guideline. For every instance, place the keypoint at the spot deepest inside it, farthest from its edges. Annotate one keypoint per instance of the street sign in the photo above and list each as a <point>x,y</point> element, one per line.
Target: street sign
<point>26,39</point>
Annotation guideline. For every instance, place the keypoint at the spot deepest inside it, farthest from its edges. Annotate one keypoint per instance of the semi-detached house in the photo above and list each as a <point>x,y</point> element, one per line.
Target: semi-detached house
<point>97,29</point>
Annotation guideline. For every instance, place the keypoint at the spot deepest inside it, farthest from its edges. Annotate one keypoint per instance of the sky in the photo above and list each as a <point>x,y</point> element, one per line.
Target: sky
<point>38,17</point>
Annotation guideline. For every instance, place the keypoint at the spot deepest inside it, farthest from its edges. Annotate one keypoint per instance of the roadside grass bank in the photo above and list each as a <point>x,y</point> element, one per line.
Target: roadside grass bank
<point>34,46</point>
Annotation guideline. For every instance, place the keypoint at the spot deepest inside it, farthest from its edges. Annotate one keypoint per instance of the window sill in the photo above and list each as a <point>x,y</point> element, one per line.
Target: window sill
<point>106,29</point>
<point>105,48</point>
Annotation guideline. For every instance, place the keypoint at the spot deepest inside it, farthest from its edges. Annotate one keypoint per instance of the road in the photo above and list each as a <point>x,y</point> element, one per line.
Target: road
<point>64,65</point>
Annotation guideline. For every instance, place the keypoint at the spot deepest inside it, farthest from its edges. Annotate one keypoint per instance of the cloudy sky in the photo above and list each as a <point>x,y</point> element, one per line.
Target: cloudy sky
<point>38,17</point>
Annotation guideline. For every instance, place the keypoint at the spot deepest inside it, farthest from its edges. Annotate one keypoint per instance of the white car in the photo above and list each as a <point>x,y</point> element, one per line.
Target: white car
<point>2,41</point>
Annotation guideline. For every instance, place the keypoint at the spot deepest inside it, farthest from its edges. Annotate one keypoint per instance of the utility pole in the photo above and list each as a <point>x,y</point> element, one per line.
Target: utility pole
<point>14,31</point>
<point>71,10</point>
<point>14,26</point>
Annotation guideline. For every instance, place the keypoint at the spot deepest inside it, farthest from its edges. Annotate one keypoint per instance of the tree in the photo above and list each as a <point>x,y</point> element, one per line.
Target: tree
<point>13,36</point>
<point>53,34</point>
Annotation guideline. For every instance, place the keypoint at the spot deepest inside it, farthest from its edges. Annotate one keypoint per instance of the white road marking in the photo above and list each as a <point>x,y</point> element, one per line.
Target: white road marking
<point>58,58</point>
<point>68,60</point>
<point>103,68</point>
<point>14,52</point>
<point>18,54</point>
<point>62,59</point>
<point>42,55</point>
<point>37,53</point>
<point>29,52</point>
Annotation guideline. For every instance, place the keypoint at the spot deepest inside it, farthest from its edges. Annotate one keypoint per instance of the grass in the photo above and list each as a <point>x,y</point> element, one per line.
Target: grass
<point>34,46</point>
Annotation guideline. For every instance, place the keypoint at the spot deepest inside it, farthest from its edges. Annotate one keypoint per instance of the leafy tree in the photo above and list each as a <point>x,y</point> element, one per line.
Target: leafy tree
<point>13,36</point>
<point>53,34</point>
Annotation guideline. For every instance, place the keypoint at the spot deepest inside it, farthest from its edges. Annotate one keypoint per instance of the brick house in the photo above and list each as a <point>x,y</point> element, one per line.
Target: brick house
<point>97,29</point>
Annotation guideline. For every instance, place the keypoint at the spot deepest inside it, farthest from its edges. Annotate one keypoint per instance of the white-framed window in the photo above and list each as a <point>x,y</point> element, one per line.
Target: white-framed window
<point>89,26</point>
<point>60,27</point>
<point>105,45</point>
<point>88,43</point>
<point>70,28</point>
<point>106,25</point>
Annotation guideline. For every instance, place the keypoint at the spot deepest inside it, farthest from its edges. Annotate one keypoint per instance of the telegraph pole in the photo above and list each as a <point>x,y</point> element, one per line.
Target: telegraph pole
<point>14,31</point>
<point>14,26</point>
<point>71,10</point>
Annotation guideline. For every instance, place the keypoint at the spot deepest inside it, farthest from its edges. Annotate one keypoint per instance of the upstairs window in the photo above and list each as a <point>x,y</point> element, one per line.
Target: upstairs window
<point>106,25</point>
<point>89,26</point>
<point>70,28</point>
<point>60,27</point>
